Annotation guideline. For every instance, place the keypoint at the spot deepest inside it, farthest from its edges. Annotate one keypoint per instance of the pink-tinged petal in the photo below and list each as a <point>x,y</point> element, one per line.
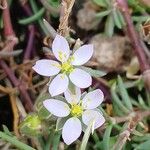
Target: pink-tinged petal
<point>73,98</point>
<point>57,107</point>
<point>58,85</point>
<point>92,116</point>
<point>71,130</point>
<point>82,55</point>
<point>80,78</point>
<point>60,48</point>
<point>93,99</point>
<point>46,67</point>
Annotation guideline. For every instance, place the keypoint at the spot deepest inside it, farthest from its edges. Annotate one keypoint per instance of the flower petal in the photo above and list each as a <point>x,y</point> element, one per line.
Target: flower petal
<point>60,48</point>
<point>58,85</point>
<point>93,99</point>
<point>82,55</point>
<point>57,107</point>
<point>72,130</point>
<point>46,67</point>
<point>91,115</point>
<point>73,98</point>
<point>80,78</point>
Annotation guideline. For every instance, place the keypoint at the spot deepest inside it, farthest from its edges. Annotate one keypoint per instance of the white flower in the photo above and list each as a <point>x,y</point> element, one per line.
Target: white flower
<point>66,67</point>
<point>76,109</point>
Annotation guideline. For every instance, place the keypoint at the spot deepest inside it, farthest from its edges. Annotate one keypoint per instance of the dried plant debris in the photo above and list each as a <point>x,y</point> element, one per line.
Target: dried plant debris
<point>145,2</point>
<point>145,29</point>
<point>86,16</point>
<point>112,54</point>
<point>133,69</point>
<point>60,95</point>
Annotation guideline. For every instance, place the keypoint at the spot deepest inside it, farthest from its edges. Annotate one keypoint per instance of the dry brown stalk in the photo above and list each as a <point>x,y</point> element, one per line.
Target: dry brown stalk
<point>15,113</point>
<point>133,120</point>
<point>12,92</point>
<point>3,4</point>
<point>64,16</point>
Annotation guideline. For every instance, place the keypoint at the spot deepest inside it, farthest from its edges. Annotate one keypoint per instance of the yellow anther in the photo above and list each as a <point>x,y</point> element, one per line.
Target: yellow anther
<point>66,68</point>
<point>76,110</point>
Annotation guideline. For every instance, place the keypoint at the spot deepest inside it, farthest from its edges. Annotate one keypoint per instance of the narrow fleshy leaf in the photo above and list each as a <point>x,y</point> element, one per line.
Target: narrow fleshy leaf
<point>106,137</point>
<point>124,94</point>
<point>15,142</point>
<point>118,101</point>
<point>143,146</point>
<point>93,72</point>
<point>103,13</point>
<point>116,19</point>
<point>101,3</point>
<point>109,26</point>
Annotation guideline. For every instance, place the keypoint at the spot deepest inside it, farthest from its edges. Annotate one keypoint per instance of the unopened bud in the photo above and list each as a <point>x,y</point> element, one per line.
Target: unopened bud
<point>31,125</point>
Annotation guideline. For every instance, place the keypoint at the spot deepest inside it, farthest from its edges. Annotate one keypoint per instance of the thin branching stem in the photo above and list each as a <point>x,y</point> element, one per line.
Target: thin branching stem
<point>135,41</point>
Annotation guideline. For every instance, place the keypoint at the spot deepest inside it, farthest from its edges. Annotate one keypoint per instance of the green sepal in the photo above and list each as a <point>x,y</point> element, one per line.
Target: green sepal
<point>93,72</point>
<point>31,125</point>
<point>43,113</point>
<point>60,123</point>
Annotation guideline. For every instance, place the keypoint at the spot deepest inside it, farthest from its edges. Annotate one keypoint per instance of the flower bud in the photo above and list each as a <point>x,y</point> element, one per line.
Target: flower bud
<point>31,125</point>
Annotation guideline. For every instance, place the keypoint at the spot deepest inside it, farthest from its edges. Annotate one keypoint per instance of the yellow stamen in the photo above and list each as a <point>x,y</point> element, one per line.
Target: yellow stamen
<point>76,110</point>
<point>62,55</point>
<point>66,68</point>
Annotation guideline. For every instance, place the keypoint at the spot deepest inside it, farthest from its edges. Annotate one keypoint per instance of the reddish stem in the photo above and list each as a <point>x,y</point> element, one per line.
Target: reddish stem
<point>134,37</point>
<point>31,29</point>
<point>8,30</point>
<point>29,47</point>
<point>16,83</point>
<point>9,34</point>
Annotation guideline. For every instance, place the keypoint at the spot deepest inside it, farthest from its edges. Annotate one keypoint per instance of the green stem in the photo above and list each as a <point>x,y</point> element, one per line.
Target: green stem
<point>35,10</point>
<point>49,140</point>
<point>106,137</point>
<point>56,141</point>
<point>15,142</point>
<point>33,18</point>
<point>95,137</point>
<point>124,94</point>
<point>118,102</point>
<point>86,137</point>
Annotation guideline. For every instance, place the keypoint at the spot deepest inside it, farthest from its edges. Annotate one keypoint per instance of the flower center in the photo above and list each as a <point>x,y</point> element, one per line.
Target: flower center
<point>76,110</point>
<point>66,68</point>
